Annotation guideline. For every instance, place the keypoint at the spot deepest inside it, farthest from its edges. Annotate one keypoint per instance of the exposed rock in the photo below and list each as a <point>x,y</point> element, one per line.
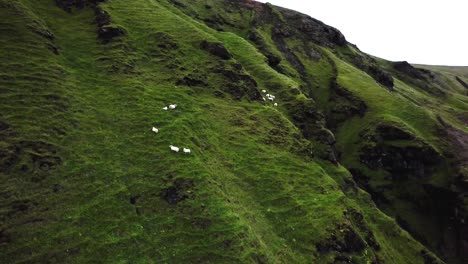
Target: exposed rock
<point>358,220</point>
<point>102,18</point>
<point>273,60</point>
<point>239,84</point>
<point>371,67</point>
<point>345,240</point>
<point>290,56</point>
<point>133,199</point>
<point>68,5</point>
<point>362,181</point>
<point>408,69</point>
<point>401,162</point>
<point>216,49</point>
<point>415,160</point>
<point>318,31</point>
<point>216,21</point>
<point>180,190</point>
<point>191,80</point>
<point>422,78</point>
<point>110,32</point>
<point>429,258</point>
<point>312,29</point>
<point>307,117</point>
<point>43,32</point>
<point>381,76</point>
<point>46,34</point>
<point>107,32</point>
<point>344,106</point>
<point>281,30</point>
<point>463,83</point>
<point>177,3</point>
<point>388,132</point>
<point>255,37</point>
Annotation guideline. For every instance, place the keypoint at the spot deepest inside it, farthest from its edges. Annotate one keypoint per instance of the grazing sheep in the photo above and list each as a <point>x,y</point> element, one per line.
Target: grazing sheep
<point>263,98</point>
<point>263,91</point>
<point>165,108</point>
<point>172,106</point>
<point>271,99</point>
<point>186,150</point>
<point>155,130</point>
<point>267,95</point>
<point>275,104</point>
<point>176,149</point>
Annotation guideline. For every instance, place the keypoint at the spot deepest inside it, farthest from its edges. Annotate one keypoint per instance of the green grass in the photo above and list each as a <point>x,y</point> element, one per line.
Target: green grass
<point>252,195</point>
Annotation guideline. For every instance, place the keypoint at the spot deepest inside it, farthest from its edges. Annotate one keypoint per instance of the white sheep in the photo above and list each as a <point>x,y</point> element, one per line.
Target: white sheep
<point>267,95</point>
<point>263,91</point>
<point>155,130</point>
<point>172,106</point>
<point>176,149</point>
<point>275,104</point>
<point>263,98</point>
<point>165,108</point>
<point>271,98</point>
<point>187,151</point>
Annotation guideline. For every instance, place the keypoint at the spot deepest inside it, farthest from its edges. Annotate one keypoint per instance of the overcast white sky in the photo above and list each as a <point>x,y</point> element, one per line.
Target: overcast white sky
<point>418,31</point>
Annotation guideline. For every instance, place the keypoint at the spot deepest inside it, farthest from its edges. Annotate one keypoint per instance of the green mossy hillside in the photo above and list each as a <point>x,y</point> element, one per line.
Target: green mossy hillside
<point>83,178</point>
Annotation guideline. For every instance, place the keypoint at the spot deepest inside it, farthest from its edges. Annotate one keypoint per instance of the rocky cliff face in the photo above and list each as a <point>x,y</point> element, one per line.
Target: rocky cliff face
<point>356,151</point>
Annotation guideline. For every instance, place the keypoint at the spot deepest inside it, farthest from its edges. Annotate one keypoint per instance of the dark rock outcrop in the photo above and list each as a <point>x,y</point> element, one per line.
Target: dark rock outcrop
<point>307,117</point>
<point>381,75</point>
<point>216,21</point>
<point>110,32</point>
<point>401,162</point>
<point>179,190</point>
<point>422,78</point>
<point>344,240</point>
<point>344,106</point>
<point>463,83</point>
<point>311,121</point>
<point>408,69</point>
<point>318,31</point>
<point>312,29</point>
<point>191,80</point>
<point>107,31</point>
<point>358,221</point>
<point>369,65</point>
<point>429,258</point>
<point>68,5</point>
<point>272,59</point>
<point>102,18</point>
<point>238,83</point>
<point>216,49</point>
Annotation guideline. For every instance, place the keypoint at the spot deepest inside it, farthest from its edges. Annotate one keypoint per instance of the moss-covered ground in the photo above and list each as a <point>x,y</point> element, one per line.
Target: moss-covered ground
<point>84,180</point>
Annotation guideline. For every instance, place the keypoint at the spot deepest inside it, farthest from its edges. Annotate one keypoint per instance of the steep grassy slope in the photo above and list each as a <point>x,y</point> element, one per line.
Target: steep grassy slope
<point>83,179</point>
